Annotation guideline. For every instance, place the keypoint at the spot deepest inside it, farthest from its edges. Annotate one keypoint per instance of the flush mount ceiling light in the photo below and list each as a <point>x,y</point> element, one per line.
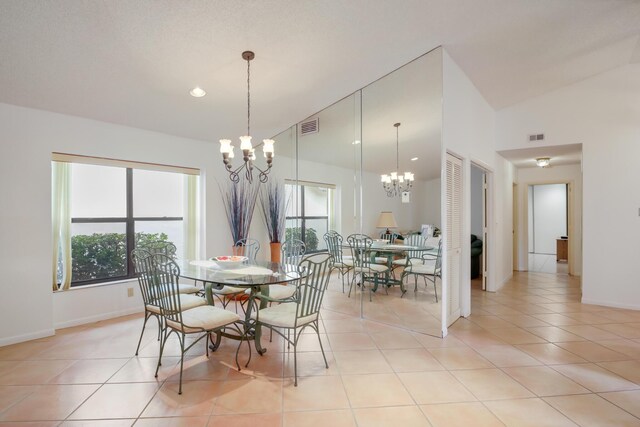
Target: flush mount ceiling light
<point>197,92</point>
<point>413,159</point>
<point>543,162</point>
<point>248,152</point>
<point>393,183</point>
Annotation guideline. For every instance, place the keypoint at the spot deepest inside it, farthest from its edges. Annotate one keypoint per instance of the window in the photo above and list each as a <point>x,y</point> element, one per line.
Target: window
<point>310,213</point>
<point>114,209</point>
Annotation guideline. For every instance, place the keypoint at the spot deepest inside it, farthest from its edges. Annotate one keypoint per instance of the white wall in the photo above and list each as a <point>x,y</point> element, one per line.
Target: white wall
<point>469,132</point>
<point>549,216</point>
<point>602,113</point>
<point>476,190</point>
<point>29,308</point>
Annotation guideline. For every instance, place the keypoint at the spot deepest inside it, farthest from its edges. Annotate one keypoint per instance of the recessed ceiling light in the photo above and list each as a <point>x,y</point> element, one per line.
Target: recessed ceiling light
<point>197,92</point>
<point>356,142</point>
<point>413,159</point>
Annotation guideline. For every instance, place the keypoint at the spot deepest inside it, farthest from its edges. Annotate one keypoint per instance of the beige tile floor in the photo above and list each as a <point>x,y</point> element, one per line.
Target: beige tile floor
<point>530,355</point>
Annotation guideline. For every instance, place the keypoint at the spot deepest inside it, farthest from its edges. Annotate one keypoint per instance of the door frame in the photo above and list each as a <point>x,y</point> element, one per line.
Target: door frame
<point>524,239</point>
<point>488,247</point>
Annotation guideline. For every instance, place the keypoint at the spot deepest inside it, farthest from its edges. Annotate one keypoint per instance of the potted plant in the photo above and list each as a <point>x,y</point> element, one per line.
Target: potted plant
<point>274,204</point>
<point>239,201</point>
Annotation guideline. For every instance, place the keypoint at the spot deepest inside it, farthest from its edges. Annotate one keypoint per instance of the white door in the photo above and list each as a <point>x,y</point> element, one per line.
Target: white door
<point>454,236</point>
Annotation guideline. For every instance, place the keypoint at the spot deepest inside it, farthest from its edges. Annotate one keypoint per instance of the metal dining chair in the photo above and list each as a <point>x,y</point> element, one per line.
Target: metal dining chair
<point>360,245</point>
<point>333,239</point>
<point>428,267</point>
<point>292,252</point>
<point>144,263</point>
<point>410,240</point>
<point>304,309</point>
<point>204,319</point>
<point>169,249</point>
<point>226,294</point>
<point>248,248</point>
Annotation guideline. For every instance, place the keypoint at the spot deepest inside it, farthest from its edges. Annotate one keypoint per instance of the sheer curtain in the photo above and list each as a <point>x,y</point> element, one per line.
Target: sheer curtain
<point>191,217</point>
<point>61,223</point>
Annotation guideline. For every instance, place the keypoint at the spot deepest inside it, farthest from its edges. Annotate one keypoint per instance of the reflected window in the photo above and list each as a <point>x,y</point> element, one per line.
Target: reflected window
<point>115,209</point>
<point>310,214</point>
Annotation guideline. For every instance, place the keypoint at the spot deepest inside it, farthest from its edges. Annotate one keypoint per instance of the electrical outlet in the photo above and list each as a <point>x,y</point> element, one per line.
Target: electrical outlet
<point>129,292</point>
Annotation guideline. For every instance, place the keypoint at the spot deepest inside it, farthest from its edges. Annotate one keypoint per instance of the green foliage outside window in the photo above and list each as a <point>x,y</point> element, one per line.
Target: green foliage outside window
<point>104,255</point>
<point>310,237</point>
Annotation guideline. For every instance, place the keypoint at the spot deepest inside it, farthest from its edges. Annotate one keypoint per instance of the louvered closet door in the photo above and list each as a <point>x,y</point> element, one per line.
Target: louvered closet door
<point>454,236</point>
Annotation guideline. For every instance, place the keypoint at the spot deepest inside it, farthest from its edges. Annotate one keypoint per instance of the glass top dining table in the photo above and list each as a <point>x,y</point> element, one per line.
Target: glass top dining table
<point>250,274</point>
<point>256,276</point>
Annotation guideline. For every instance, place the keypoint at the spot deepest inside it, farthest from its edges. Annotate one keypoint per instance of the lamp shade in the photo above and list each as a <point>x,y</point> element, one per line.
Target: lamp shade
<point>386,220</point>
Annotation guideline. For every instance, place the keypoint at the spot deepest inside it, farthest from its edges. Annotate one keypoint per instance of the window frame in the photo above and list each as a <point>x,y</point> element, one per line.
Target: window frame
<point>301,218</point>
<point>129,220</point>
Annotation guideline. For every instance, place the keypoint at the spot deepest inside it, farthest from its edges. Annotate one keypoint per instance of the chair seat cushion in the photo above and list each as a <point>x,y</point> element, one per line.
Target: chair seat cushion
<point>283,316</point>
<point>227,290</point>
<point>381,260</point>
<point>185,288</point>
<point>377,268</point>
<point>278,291</point>
<point>401,261</point>
<point>187,302</point>
<point>204,318</point>
<point>428,268</point>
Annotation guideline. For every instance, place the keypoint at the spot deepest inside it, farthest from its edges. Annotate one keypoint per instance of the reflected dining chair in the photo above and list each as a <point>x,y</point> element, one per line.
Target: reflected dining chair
<point>343,264</point>
<point>204,319</point>
<point>360,245</point>
<point>144,263</point>
<point>429,267</point>
<point>411,240</point>
<point>304,309</point>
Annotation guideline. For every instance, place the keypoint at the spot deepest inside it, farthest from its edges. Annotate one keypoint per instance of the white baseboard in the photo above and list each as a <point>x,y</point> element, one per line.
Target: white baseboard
<point>98,317</point>
<point>26,337</point>
<point>611,304</point>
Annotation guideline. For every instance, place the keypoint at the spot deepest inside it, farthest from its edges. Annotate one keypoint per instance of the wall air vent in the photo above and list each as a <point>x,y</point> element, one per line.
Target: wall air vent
<point>310,126</point>
<point>536,137</point>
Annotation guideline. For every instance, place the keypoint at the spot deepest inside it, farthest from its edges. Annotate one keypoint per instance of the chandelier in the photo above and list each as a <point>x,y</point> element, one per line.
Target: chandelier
<point>395,184</point>
<point>248,152</point>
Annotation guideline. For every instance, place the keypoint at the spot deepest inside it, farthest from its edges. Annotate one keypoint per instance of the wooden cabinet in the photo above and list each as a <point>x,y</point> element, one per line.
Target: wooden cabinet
<point>562,250</point>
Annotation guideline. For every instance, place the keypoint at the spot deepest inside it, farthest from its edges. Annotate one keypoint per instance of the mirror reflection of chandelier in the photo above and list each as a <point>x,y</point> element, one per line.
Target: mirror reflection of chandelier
<point>248,152</point>
<point>394,183</point>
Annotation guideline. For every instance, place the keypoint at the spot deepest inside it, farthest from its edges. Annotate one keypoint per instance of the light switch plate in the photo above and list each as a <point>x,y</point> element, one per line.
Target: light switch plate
<point>406,197</point>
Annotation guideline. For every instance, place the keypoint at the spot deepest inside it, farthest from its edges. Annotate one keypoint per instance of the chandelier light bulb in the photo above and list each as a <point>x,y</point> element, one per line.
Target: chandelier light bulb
<point>225,146</point>
<point>267,147</point>
<point>394,176</point>
<point>245,143</point>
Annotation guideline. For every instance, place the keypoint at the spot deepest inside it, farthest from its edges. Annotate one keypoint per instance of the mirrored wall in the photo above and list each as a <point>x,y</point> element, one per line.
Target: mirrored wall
<point>341,154</point>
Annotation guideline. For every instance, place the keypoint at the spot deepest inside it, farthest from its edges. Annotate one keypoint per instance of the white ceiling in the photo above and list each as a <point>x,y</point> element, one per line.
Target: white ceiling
<point>569,154</point>
<point>133,62</point>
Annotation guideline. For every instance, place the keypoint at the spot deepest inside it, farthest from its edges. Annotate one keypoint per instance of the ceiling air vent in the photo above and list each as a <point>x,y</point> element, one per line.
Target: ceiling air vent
<point>536,137</point>
<point>310,126</point>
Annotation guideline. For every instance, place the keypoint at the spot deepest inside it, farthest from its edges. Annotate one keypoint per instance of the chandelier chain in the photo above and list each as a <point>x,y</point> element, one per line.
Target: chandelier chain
<point>248,97</point>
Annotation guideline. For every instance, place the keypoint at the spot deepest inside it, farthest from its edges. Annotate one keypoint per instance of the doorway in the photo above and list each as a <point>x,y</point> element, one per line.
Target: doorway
<point>548,228</point>
<point>478,227</point>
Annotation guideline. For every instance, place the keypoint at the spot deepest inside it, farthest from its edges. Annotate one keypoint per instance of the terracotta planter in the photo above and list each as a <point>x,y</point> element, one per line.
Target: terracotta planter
<point>237,250</point>
<point>275,251</point>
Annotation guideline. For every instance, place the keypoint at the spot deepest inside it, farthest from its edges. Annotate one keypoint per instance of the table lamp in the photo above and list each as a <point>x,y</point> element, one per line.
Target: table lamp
<point>386,220</point>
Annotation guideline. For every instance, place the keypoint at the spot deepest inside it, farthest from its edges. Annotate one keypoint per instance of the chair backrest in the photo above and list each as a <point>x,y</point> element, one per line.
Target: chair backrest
<point>414,240</point>
<point>144,264</point>
<point>312,287</point>
<point>438,268</point>
<point>248,248</point>
<point>360,245</point>
<point>389,237</point>
<point>166,275</point>
<point>293,251</point>
<point>163,247</point>
<point>333,239</point>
